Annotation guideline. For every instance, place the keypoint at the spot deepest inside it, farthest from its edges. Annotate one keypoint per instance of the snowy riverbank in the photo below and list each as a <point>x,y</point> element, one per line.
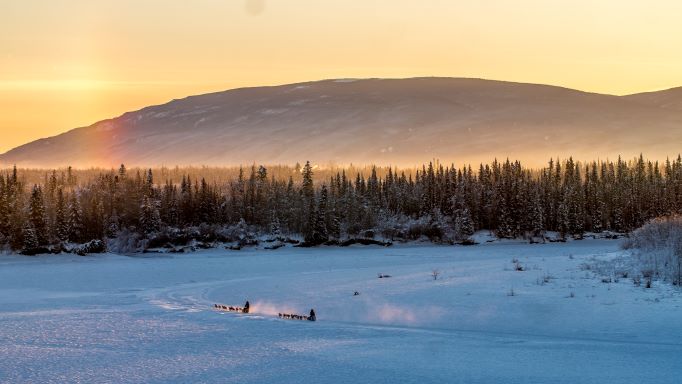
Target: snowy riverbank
<point>121,319</point>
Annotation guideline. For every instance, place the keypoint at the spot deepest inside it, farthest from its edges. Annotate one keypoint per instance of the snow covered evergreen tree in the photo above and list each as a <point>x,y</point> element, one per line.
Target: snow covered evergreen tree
<point>463,224</point>
<point>275,229</point>
<point>320,234</point>
<point>150,220</point>
<point>535,214</point>
<point>76,227</point>
<point>61,224</point>
<point>36,215</point>
<point>112,225</point>
<point>31,243</point>
<point>308,194</point>
<point>5,224</point>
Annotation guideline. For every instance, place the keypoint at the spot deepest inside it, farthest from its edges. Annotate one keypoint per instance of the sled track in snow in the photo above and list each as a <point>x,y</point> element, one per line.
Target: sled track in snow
<point>195,297</point>
<point>190,297</point>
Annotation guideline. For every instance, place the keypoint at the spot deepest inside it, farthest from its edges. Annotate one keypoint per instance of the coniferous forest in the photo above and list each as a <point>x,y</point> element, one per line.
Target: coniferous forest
<point>132,210</point>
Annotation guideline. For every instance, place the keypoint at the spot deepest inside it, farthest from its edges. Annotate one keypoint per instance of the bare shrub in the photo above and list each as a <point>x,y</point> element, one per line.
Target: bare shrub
<point>658,248</point>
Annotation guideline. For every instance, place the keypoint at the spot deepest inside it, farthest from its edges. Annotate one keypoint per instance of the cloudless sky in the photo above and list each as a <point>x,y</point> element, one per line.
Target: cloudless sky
<point>69,63</point>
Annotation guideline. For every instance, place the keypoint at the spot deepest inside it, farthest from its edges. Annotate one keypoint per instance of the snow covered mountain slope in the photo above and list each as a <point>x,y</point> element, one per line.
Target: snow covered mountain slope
<point>381,121</point>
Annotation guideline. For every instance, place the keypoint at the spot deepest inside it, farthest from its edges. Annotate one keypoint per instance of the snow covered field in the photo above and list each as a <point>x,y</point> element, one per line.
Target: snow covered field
<point>121,319</point>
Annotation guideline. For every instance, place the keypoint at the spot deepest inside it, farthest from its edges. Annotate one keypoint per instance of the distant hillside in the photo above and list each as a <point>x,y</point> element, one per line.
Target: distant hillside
<point>669,98</point>
<point>397,121</point>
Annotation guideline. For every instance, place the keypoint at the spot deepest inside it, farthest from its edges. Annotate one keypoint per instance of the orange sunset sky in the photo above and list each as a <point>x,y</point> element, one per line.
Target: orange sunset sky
<point>69,63</point>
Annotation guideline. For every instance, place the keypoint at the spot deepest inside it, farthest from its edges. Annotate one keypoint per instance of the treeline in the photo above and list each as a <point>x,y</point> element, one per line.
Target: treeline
<point>212,175</point>
<point>443,203</point>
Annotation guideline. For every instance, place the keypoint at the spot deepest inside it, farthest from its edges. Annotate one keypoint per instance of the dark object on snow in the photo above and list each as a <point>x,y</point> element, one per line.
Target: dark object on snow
<point>356,293</point>
<point>312,316</point>
<point>41,250</point>
<point>246,307</point>
<point>365,242</point>
<point>383,276</point>
<point>467,242</point>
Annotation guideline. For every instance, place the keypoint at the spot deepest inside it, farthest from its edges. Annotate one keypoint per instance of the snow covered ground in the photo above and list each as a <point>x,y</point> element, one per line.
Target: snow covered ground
<point>123,319</point>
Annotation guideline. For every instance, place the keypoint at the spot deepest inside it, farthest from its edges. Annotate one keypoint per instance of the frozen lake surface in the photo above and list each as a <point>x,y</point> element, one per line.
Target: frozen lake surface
<point>149,319</point>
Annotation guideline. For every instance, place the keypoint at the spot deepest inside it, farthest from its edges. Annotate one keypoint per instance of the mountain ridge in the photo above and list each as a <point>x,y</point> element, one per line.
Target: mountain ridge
<point>670,98</point>
<point>378,121</point>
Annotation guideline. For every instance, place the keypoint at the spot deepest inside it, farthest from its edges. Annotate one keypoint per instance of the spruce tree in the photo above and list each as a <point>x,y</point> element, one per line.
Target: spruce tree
<point>31,243</point>
<point>536,217</point>
<point>150,220</point>
<point>61,225</point>
<point>76,227</point>
<point>308,194</point>
<point>36,215</point>
<point>307,186</point>
<point>463,224</point>
<point>5,224</point>
<point>112,225</point>
<point>275,229</point>
<point>334,224</point>
<point>319,234</point>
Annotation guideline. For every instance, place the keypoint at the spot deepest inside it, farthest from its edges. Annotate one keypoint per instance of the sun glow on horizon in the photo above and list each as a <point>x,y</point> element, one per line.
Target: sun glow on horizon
<point>71,63</point>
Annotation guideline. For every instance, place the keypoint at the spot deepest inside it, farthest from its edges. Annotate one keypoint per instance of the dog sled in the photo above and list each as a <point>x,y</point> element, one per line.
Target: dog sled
<point>293,316</point>
<point>284,316</point>
<point>226,308</point>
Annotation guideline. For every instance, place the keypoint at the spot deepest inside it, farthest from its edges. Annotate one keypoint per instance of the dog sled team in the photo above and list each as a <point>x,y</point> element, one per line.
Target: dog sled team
<point>245,309</point>
<point>291,316</point>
